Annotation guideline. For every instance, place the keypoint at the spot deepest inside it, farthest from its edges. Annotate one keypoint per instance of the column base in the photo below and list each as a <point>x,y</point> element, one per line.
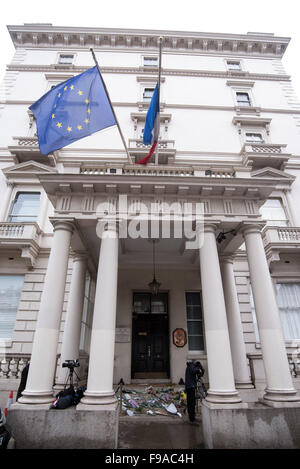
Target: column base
<point>223,397</point>
<point>98,398</point>
<point>244,385</point>
<point>30,397</point>
<point>280,396</point>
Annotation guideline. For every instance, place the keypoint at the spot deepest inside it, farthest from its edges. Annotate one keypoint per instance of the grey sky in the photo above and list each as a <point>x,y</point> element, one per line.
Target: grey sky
<point>227,16</point>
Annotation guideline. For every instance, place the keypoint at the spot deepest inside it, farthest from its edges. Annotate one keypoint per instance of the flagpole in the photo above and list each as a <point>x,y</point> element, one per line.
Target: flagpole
<point>159,74</point>
<point>117,122</point>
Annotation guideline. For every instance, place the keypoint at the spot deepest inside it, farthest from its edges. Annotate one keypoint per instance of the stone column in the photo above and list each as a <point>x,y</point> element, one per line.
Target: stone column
<point>39,388</point>
<point>279,381</point>
<point>102,349</point>
<point>72,329</point>
<point>221,380</point>
<point>237,344</point>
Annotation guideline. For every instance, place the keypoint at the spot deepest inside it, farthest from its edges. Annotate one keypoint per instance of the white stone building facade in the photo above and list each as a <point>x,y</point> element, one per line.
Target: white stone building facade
<point>229,140</point>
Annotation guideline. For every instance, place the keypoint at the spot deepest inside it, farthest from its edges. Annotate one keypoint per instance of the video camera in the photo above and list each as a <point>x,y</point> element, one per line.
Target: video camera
<point>71,364</point>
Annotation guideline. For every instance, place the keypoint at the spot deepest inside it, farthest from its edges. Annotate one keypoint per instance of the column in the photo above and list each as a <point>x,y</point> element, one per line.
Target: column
<point>72,329</point>
<point>237,344</point>
<point>43,358</point>
<point>221,379</point>
<point>279,381</point>
<point>101,364</point>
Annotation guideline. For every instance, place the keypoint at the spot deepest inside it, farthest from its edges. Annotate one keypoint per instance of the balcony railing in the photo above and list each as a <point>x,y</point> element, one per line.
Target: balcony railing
<point>27,148</point>
<point>265,154</point>
<point>22,236</point>
<point>281,237</point>
<point>22,230</point>
<point>137,170</point>
<point>11,365</point>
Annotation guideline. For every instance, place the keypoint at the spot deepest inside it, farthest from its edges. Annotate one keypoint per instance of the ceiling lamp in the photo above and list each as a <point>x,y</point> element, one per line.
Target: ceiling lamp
<point>154,285</point>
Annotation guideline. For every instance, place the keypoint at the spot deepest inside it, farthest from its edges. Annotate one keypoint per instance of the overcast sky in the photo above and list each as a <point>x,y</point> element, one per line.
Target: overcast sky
<point>217,16</point>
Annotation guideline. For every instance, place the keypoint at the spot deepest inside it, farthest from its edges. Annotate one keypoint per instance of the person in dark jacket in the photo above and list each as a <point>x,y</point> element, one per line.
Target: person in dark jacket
<point>4,433</point>
<point>194,370</point>
<point>23,381</point>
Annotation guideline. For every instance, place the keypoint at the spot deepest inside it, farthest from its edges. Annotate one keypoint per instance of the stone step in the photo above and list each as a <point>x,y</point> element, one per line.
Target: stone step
<point>159,432</point>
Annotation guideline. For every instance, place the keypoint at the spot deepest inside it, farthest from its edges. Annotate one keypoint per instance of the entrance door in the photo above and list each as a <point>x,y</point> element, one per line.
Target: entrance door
<point>150,336</point>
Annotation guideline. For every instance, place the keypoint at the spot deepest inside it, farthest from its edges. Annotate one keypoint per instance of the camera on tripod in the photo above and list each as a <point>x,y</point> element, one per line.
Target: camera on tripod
<point>71,364</point>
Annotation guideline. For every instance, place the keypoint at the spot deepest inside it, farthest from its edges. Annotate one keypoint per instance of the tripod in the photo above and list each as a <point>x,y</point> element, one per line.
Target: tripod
<point>70,377</point>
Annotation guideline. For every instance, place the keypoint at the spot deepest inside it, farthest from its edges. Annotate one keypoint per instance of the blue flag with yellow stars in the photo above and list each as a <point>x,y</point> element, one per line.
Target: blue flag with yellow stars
<point>71,110</point>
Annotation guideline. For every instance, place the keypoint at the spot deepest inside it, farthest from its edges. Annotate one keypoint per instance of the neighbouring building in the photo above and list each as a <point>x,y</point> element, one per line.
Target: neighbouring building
<point>84,230</point>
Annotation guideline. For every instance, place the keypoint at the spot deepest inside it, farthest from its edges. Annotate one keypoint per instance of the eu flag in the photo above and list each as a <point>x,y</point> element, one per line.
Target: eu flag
<point>71,110</point>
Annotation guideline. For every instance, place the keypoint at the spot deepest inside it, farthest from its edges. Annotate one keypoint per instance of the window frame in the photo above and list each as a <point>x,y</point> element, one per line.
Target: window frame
<point>238,103</point>
<point>65,54</point>
<point>10,215</point>
<point>233,61</point>
<point>148,100</point>
<point>276,222</point>
<point>152,58</point>
<point>7,340</point>
<point>201,320</point>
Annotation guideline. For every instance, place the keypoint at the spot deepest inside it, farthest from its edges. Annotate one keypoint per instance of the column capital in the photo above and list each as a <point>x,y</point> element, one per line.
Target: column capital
<point>210,227</point>
<point>255,227</point>
<point>108,225</point>
<point>80,256</point>
<point>67,224</point>
<point>227,258</point>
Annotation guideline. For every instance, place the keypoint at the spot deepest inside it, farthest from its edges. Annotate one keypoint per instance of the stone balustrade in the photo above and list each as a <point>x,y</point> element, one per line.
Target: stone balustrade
<point>11,365</point>
<point>281,234</point>
<point>21,230</point>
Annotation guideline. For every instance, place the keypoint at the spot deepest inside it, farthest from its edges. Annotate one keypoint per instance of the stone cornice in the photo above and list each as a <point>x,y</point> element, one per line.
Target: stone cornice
<point>72,70</point>
<point>46,35</point>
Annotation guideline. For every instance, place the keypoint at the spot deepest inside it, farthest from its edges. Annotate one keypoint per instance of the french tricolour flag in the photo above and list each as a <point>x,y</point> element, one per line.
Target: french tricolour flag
<point>152,123</point>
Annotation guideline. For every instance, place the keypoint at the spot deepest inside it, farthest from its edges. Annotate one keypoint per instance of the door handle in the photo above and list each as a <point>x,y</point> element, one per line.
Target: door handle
<point>149,351</point>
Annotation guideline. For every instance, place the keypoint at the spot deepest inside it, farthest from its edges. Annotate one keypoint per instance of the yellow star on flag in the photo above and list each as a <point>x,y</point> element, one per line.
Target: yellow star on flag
<point>53,115</point>
<point>69,129</point>
<point>59,124</point>
<point>86,101</point>
<point>79,127</point>
<point>80,92</point>
<point>72,87</point>
<point>86,121</point>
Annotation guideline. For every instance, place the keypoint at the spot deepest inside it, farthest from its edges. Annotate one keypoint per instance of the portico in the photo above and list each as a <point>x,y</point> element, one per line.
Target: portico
<point>82,205</point>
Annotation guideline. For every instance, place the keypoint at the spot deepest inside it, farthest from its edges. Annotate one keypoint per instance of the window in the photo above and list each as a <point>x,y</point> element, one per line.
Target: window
<point>144,303</point>
<point>288,300</point>
<point>66,59</point>
<point>243,99</point>
<point>194,321</point>
<point>254,137</point>
<point>87,313</point>
<point>253,314</point>
<point>150,61</point>
<point>233,65</point>
<point>25,207</point>
<point>10,293</point>
<point>273,212</point>
<point>147,94</point>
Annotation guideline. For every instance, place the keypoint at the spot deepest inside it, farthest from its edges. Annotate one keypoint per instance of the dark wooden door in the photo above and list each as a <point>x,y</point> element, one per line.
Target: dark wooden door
<point>150,340</point>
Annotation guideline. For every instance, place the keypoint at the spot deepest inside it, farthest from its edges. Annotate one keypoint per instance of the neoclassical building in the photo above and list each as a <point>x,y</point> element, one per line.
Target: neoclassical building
<point>213,218</point>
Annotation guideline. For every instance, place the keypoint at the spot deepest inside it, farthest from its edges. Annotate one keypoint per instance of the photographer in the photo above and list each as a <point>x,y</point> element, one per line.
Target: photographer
<point>194,370</point>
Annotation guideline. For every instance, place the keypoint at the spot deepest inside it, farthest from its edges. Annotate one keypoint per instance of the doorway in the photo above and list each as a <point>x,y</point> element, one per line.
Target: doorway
<point>150,336</point>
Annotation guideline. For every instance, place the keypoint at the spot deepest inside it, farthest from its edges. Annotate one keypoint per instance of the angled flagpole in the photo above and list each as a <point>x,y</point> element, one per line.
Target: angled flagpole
<point>159,75</point>
<point>118,125</point>
<point>152,121</point>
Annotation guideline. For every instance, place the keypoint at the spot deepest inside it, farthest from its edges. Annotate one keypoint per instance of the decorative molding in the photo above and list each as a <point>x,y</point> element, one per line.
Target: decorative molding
<point>45,36</point>
<point>72,70</point>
